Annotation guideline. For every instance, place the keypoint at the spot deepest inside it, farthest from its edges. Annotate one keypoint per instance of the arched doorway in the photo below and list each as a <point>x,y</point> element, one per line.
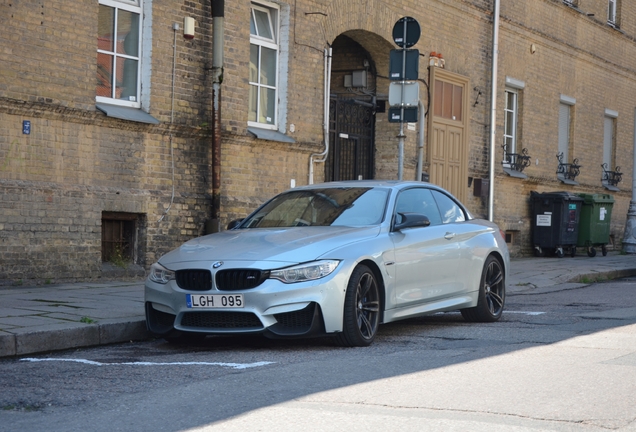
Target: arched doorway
<point>352,110</point>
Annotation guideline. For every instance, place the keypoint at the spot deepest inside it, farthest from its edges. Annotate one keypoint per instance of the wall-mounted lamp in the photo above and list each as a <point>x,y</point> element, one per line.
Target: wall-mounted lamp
<point>188,27</point>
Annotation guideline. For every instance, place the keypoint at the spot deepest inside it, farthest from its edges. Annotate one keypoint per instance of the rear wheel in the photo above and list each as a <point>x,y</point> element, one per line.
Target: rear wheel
<point>591,252</point>
<point>361,309</point>
<point>604,250</point>
<point>492,294</point>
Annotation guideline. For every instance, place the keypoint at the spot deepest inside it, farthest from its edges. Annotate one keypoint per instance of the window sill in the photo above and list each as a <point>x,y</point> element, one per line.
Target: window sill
<point>567,181</point>
<point>610,187</point>
<point>513,173</point>
<point>270,135</point>
<point>126,113</point>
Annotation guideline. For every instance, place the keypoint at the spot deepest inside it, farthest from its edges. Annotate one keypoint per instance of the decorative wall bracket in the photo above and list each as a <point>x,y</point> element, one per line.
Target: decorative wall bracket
<point>612,178</point>
<point>516,161</point>
<point>567,172</point>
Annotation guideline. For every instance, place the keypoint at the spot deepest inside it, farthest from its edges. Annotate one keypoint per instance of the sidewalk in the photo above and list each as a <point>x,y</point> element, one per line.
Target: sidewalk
<point>55,317</point>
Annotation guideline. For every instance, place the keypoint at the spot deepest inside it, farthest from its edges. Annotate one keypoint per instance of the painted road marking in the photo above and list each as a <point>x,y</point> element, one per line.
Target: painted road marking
<point>523,312</point>
<point>94,363</point>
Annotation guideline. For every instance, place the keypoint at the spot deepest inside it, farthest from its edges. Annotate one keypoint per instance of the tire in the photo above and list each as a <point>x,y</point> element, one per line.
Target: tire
<point>559,253</point>
<point>361,309</point>
<point>604,250</point>
<point>538,252</point>
<point>573,251</point>
<point>492,294</point>
<point>591,252</point>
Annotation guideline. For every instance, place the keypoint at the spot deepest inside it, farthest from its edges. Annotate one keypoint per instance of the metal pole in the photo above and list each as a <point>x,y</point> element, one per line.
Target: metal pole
<point>401,136</point>
<point>493,113</point>
<point>629,238</point>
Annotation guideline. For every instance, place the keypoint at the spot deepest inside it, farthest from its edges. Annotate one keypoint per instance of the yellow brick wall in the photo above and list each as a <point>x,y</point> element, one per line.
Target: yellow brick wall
<point>77,163</point>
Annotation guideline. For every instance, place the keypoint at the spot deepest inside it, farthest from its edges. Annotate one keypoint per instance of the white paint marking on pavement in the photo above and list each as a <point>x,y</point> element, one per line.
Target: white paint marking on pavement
<point>94,363</point>
<point>523,312</point>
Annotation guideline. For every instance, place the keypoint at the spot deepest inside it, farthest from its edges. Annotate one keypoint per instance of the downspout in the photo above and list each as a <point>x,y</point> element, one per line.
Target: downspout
<point>420,142</point>
<point>629,237</point>
<point>323,156</point>
<point>218,17</point>
<point>493,112</point>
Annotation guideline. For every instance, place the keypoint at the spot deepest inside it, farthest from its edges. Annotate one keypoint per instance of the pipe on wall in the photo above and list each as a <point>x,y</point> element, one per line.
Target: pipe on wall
<point>493,112</point>
<point>218,17</point>
<point>322,157</point>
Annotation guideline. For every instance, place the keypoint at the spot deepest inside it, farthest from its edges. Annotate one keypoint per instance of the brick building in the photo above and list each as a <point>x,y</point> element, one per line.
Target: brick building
<point>121,135</point>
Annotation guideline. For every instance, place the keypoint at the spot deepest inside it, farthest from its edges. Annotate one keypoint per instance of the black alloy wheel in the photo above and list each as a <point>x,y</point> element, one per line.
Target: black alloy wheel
<point>361,309</point>
<point>492,294</point>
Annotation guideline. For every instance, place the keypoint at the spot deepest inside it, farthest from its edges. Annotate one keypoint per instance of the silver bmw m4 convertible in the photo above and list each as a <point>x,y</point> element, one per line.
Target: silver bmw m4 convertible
<point>335,259</point>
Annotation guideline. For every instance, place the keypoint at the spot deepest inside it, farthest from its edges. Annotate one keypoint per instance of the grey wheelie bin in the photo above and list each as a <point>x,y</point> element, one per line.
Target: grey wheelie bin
<point>594,225</point>
<point>555,222</point>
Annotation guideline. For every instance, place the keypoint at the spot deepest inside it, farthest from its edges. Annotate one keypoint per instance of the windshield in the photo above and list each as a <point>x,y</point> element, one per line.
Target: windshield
<point>357,206</point>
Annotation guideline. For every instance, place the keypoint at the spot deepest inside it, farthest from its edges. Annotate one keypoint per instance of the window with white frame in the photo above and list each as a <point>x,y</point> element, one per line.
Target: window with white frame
<point>565,120</point>
<point>511,112</point>
<point>119,52</point>
<point>264,60</point>
<point>611,11</point>
<point>609,139</point>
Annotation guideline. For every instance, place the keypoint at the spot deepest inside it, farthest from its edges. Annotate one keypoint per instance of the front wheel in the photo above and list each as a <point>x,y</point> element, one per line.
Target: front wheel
<point>492,294</point>
<point>361,309</point>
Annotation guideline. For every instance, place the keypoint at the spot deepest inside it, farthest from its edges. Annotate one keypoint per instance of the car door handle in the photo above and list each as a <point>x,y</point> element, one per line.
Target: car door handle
<point>449,236</point>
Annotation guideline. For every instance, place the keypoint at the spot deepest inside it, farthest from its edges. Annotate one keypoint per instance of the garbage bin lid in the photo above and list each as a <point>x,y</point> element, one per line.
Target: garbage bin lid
<point>596,198</point>
<point>559,195</point>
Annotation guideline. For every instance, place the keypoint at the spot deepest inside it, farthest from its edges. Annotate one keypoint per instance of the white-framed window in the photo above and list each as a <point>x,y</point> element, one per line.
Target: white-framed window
<point>611,11</point>
<point>609,139</point>
<point>119,30</point>
<point>264,65</point>
<point>566,105</point>
<point>511,113</point>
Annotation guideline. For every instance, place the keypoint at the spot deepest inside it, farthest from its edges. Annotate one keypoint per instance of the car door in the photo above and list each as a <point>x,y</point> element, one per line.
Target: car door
<point>425,257</point>
<point>464,234</point>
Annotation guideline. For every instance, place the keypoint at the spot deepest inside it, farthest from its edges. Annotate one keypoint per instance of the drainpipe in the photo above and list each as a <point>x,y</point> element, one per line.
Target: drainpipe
<point>420,142</point>
<point>218,17</point>
<point>629,238</point>
<point>323,156</point>
<point>493,112</point>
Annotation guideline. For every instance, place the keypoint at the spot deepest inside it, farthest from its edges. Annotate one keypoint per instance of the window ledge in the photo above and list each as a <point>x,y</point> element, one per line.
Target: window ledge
<point>126,113</point>
<point>513,173</point>
<point>567,181</point>
<point>610,187</point>
<point>270,135</point>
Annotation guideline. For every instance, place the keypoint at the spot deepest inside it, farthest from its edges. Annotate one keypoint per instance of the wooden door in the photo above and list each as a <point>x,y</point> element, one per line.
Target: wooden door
<point>448,132</point>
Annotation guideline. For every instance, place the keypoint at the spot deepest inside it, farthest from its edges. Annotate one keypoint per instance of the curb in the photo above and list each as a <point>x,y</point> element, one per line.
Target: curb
<point>93,335</point>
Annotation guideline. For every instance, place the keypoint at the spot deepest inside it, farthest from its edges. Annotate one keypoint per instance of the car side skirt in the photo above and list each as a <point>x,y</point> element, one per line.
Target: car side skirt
<point>444,305</point>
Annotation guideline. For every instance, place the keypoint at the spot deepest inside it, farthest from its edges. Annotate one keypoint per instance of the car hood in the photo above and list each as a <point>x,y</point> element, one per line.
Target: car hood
<point>281,245</point>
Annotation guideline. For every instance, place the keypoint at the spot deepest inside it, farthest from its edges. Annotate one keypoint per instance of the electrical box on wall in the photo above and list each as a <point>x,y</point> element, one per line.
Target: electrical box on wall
<point>359,78</point>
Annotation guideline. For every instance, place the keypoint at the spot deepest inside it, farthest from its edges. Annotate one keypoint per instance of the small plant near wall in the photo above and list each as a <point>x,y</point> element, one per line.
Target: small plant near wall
<point>118,258</point>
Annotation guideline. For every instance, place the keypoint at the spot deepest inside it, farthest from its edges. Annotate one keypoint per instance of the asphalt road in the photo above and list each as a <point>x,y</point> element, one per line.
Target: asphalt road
<point>562,361</point>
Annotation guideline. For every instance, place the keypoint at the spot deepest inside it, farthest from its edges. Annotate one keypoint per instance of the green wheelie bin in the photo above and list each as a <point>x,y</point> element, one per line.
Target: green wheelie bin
<point>594,224</point>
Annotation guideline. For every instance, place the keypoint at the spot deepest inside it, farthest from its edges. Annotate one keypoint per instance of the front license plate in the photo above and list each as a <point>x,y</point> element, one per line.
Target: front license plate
<point>216,301</point>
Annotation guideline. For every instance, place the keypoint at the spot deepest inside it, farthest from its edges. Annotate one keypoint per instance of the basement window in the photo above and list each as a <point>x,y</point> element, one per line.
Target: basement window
<point>120,237</point>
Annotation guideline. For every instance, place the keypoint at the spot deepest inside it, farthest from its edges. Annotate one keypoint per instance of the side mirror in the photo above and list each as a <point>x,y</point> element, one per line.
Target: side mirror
<point>234,224</point>
<point>412,220</point>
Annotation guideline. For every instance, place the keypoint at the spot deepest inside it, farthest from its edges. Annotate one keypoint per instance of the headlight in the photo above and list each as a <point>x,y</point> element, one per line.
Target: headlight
<point>160,274</point>
<point>305,272</point>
